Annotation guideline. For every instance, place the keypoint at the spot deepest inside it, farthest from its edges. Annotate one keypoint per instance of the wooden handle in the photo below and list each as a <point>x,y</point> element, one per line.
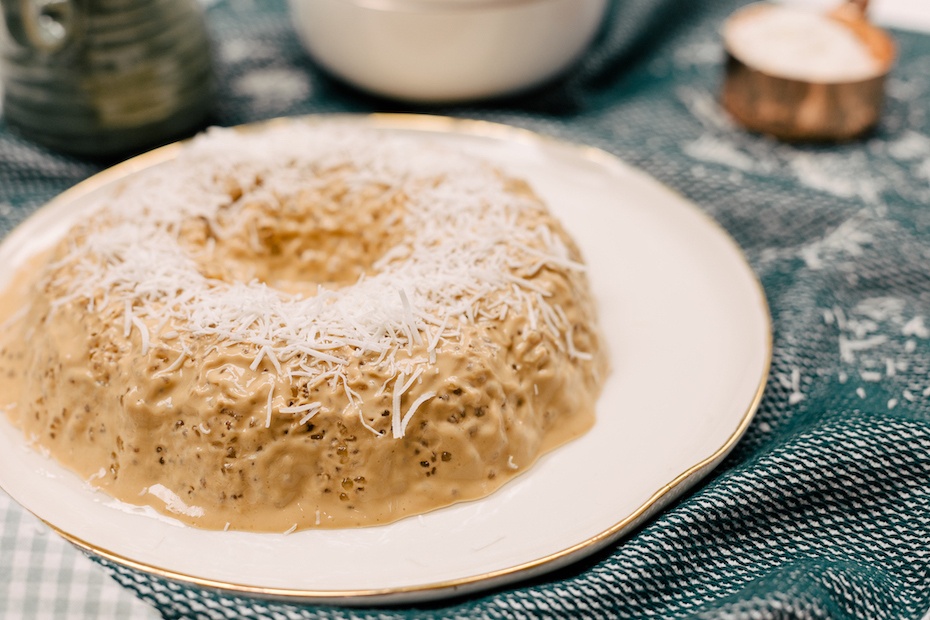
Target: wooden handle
<point>862,5</point>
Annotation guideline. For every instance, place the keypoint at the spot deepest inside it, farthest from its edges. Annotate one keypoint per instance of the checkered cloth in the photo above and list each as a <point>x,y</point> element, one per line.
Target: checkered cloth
<point>42,576</point>
<point>823,509</point>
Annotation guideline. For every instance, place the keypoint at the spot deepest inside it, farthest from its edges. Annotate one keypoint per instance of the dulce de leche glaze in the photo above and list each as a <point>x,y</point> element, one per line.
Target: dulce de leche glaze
<point>218,433</point>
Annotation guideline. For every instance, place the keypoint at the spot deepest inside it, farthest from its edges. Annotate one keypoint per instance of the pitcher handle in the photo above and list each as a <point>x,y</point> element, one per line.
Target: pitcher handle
<point>44,25</point>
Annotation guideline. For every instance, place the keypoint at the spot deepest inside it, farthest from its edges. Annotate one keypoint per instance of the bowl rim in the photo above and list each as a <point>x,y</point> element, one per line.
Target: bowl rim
<point>438,6</point>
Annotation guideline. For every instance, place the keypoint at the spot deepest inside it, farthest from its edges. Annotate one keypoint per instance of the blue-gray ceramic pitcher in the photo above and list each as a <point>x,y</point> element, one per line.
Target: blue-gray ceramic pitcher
<point>104,77</point>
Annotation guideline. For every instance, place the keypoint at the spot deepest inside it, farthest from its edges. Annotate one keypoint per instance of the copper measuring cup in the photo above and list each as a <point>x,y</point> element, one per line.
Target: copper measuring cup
<point>800,110</point>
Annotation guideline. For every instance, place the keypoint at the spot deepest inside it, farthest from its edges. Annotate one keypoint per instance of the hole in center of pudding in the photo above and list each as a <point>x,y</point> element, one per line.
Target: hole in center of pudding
<point>327,235</point>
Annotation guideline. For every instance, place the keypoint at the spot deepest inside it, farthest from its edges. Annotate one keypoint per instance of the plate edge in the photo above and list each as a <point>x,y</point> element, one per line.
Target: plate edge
<point>425,592</point>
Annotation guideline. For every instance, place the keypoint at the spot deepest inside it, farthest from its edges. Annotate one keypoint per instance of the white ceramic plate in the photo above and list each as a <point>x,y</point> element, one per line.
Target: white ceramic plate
<point>690,343</point>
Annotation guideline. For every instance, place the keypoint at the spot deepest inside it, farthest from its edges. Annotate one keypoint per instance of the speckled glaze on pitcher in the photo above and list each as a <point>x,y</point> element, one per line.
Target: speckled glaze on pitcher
<point>105,78</point>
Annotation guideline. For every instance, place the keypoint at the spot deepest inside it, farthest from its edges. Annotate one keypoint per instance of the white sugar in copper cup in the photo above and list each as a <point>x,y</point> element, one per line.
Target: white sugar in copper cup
<point>814,99</point>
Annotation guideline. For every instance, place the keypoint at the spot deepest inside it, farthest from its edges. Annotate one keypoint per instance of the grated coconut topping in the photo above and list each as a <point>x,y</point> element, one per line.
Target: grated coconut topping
<point>464,256</point>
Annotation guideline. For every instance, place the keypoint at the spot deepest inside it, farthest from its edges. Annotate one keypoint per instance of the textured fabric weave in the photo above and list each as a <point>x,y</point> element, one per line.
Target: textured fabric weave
<point>823,509</point>
<point>42,576</point>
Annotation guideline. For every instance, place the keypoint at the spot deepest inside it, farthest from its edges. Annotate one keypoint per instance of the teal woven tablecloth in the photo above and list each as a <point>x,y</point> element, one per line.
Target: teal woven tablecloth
<point>823,509</point>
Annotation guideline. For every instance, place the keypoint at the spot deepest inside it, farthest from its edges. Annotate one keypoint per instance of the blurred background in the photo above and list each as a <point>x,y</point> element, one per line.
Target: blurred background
<point>822,510</point>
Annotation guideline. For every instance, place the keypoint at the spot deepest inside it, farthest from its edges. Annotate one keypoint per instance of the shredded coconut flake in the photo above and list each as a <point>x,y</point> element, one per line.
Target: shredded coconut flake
<point>468,248</point>
<point>176,363</point>
<point>413,408</point>
<point>127,318</point>
<point>143,333</point>
<point>300,408</point>
<point>268,407</point>
<point>916,327</point>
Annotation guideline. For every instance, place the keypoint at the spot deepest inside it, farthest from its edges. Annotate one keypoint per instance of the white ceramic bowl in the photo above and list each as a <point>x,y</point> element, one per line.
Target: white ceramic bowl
<point>438,51</point>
